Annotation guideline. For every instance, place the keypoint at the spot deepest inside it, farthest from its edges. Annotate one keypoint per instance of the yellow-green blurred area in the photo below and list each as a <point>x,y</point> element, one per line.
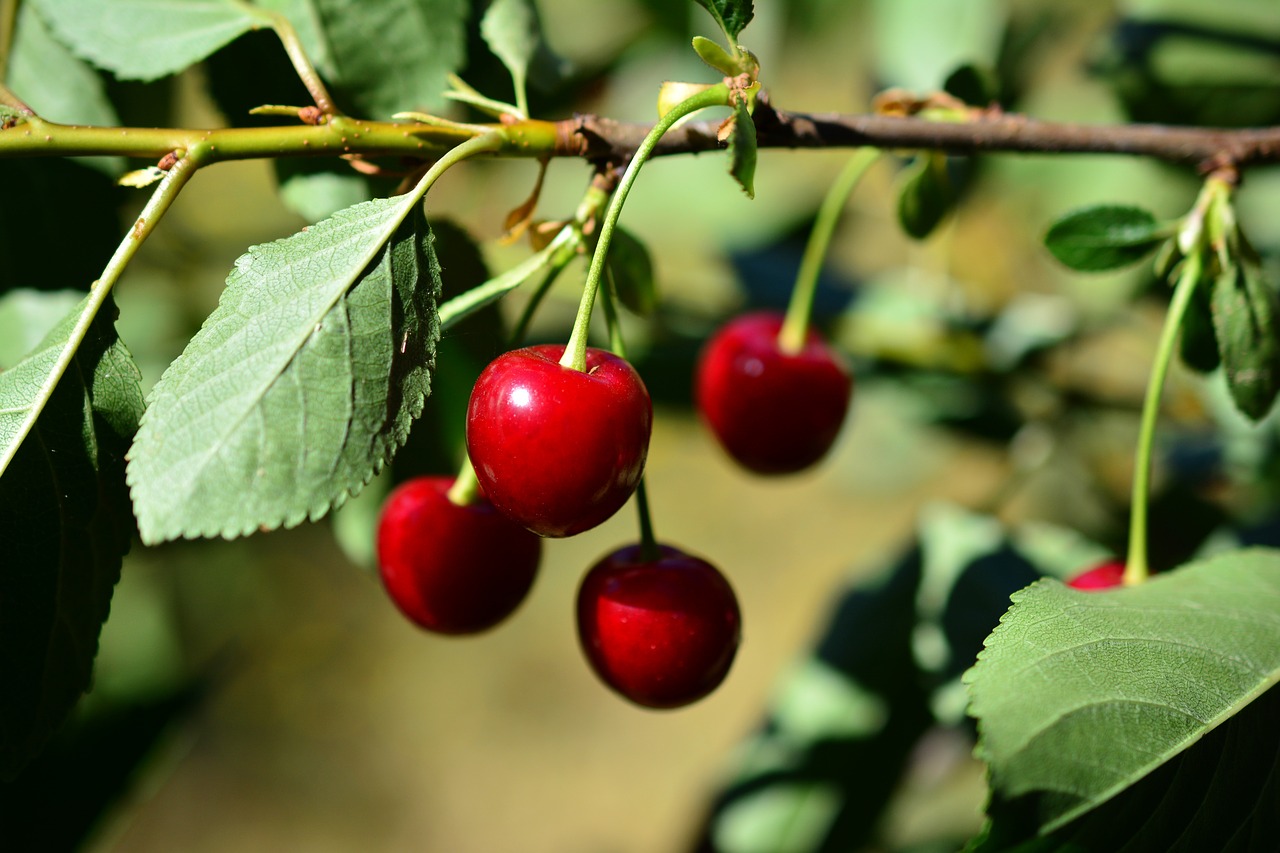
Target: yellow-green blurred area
<point>324,721</point>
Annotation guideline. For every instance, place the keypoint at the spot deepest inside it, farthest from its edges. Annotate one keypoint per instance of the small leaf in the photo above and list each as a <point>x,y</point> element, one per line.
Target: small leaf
<point>742,149</point>
<point>300,386</point>
<point>927,196</point>
<point>65,524</point>
<point>731,15</point>
<point>631,269</point>
<point>1104,237</point>
<point>511,30</point>
<point>1198,346</point>
<point>976,85</point>
<point>1244,320</point>
<point>1078,695</point>
<point>714,55</point>
<point>146,39</point>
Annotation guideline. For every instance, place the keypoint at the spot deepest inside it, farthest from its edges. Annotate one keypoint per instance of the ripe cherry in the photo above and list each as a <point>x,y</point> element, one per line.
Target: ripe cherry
<point>661,632</point>
<point>450,568</point>
<point>1106,575</point>
<point>556,449</point>
<point>774,412</point>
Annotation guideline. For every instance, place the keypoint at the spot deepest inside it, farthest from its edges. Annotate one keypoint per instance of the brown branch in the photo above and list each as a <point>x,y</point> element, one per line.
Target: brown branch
<point>1205,148</point>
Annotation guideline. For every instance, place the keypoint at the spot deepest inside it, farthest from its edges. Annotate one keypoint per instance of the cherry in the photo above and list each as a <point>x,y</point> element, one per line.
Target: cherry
<point>1103,576</point>
<point>452,569</point>
<point>556,449</point>
<point>661,632</point>
<point>773,411</point>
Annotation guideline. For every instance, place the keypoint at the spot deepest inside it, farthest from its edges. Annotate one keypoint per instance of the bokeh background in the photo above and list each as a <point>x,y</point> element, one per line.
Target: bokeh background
<point>263,694</point>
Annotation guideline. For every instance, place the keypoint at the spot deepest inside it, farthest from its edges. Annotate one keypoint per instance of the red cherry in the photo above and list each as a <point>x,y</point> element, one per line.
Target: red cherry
<point>775,413</point>
<point>1104,576</point>
<point>452,569</point>
<point>558,450</point>
<point>660,632</point>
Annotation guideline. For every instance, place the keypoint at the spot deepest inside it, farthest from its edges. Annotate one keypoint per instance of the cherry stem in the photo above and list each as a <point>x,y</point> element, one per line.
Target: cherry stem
<point>795,327</point>
<point>302,64</point>
<point>466,487</point>
<point>1136,568</point>
<point>649,549</point>
<point>575,352</point>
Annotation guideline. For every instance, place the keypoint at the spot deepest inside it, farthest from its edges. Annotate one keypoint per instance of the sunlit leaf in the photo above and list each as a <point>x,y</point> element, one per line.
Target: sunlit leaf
<point>1079,695</point>
<point>146,39</point>
<point>510,28</point>
<point>300,386</point>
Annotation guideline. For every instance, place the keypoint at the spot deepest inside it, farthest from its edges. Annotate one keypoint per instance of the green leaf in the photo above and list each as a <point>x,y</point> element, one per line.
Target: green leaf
<point>146,39</point>
<point>300,386</point>
<point>732,15</point>
<point>1104,237</point>
<point>976,85</point>
<point>1198,346</point>
<point>511,30</point>
<point>393,55</point>
<point>742,149</point>
<point>26,316</point>
<point>928,194</point>
<point>1078,695</point>
<point>1219,794</point>
<point>714,55</point>
<point>1244,319</point>
<point>65,524</point>
<point>631,269</point>
<point>57,85</point>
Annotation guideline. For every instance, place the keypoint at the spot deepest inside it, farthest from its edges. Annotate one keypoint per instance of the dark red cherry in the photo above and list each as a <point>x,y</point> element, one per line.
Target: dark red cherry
<point>660,632</point>
<point>452,569</point>
<point>558,450</point>
<point>774,412</point>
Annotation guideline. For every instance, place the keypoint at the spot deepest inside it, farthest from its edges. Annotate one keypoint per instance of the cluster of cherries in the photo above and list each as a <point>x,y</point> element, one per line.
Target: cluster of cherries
<point>556,451</point>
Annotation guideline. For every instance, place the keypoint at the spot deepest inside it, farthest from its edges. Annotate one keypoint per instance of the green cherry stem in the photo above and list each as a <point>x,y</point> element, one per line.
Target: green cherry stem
<point>465,488</point>
<point>1136,567</point>
<point>649,549</point>
<point>795,326</point>
<point>575,352</point>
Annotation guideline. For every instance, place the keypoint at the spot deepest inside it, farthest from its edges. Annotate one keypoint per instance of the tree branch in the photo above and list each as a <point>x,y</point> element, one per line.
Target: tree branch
<point>604,140</point>
<point>1204,148</point>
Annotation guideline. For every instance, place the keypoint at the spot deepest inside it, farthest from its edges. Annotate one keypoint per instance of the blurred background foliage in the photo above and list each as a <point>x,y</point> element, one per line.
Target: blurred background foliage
<point>263,694</point>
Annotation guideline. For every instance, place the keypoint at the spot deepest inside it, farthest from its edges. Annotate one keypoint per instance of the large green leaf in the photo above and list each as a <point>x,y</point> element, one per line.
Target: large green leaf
<point>1219,795</point>
<point>300,386</point>
<point>146,39</point>
<point>394,55</point>
<point>64,522</point>
<point>1245,320</point>
<point>56,84</point>
<point>1079,695</point>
